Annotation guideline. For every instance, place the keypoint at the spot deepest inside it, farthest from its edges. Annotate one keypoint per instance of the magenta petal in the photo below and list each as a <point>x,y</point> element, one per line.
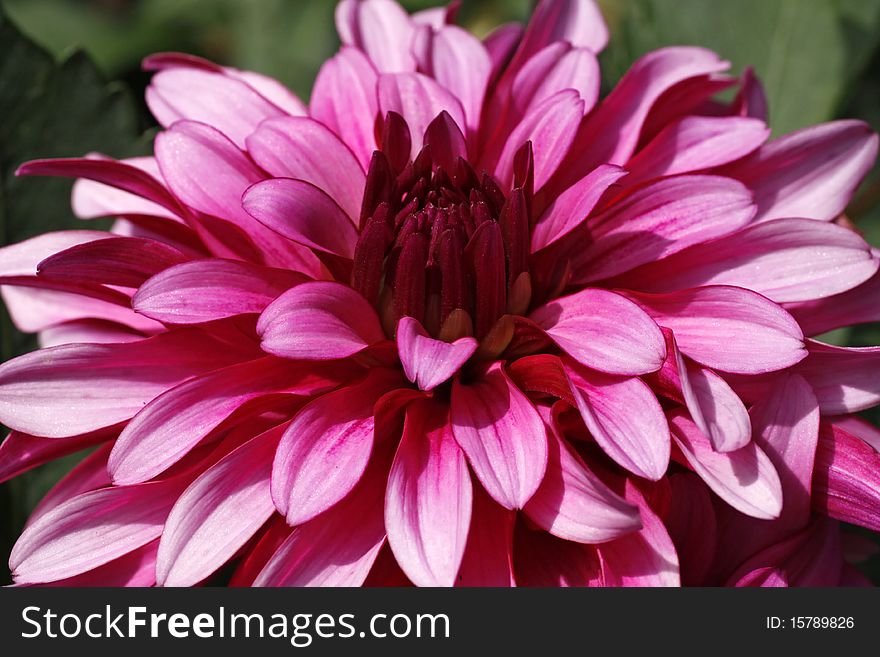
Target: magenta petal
<point>856,306</point>
<point>579,22</point>
<point>91,199</point>
<point>786,427</point>
<point>728,328</point>
<point>171,425</point>
<point>303,213</point>
<point>338,547</point>
<point>571,207</point>
<point>550,126</point>
<point>418,99</point>
<point>692,526</point>
<point>554,68</point>
<point>643,558</point>
<point>856,426</point>
<point>502,435</point>
<point>488,555</point>
<point>73,389</point>
<point>783,259</point>
<point>811,173</point>
<point>461,63</point>
<point>92,529</point>
<point>23,258</point>
<point>846,481</point>
<point>20,452</point>
<point>624,417</point>
<point>696,143</point>
<point>344,100</point>
<point>574,504</point>
<point>542,560</point>
<point>197,95</point>
<point>745,478</point>
<point>135,569</point>
<point>428,501</point>
<point>302,148</point>
<point>319,321</point>
<point>604,331</point>
<point>205,290</point>
<point>844,378</point>
<point>324,452</point>
<point>428,362</point>
<point>218,513</point>
<point>381,28</point>
<point>659,219</point>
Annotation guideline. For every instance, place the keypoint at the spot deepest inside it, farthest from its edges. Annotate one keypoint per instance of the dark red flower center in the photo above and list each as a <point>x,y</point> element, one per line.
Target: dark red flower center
<point>438,242</point>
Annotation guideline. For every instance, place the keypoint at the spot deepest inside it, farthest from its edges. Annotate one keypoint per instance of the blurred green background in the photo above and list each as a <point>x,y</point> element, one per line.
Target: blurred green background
<point>70,83</point>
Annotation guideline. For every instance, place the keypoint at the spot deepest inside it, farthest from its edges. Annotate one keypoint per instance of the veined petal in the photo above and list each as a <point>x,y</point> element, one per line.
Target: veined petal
<point>659,219</point>
<point>218,513</point>
<point>381,28</point>
<point>745,478</point>
<point>428,500</point>
<point>784,259</point>
<point>728,328</point>
<point>571,208</point>
<point>502,435</point>
<point>856,306</point>
<point>325,451</point>
<point>604,331</point>
<point>624,417</point>
<point>319,321</point>
<point>426,361</point>
<point>844,378</point>
<point>574,504</point>
<point>344,100</point>
<point>554,68</point>
<point>205,290</point>
<point>811,173</point>
<point>461,63</point>
<point>579,22</point>
<point>303,148</point>
<point>20,452</point>
<point>301,212</point>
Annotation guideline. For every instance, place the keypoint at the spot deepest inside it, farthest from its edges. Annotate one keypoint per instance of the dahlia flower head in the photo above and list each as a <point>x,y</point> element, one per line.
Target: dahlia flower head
<point>457,321</point>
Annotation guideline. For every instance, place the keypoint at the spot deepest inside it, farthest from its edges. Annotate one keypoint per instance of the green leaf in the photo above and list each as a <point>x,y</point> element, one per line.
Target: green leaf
<point>808,54</point>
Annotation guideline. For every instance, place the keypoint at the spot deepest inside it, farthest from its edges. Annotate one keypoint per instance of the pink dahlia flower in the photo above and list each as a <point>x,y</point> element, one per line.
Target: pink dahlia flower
<point>457,321</point>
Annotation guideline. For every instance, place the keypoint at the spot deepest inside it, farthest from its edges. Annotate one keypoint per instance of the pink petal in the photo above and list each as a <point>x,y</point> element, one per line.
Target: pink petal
<point>218,513</point>
<point>488,557</point>
<point>645,558</point>
<point>541,559</point>
<point>20,452</point>
<point>324,452</point>
<point>856,306</point>
<point>461,63</point>
<point>502,435</point>
<point>344,100</point>
<point>271,90</point>
<point>550,126</point>
<point>428,501</point>
<point>659,219</point>
<point>611,132</point>
<point>846,481</point>
<point>844,378</point>
<point>862,429</point>
<point>191,94</point>
<point>123,261</point>
<point>500,44</point>
<point>695,143</point>
<point>783,259</point>
<point>579,22</point>
<point>418,99</point>
<point>205,290</point>
<point>624,417</point>
<point>692,527</point>
<point>118,174</point>
<point>428,362</point>
<point>188,149</point>
<point>381,28</point>
<point>554,68</point>
<point>338,547</point>
<point>166,429</point>
<point>86,330</point>
<point>135,569</point>
<point>571,207</point>
<point>319,321</point>
<point>23,258</point>
<point>92,529</point>
<point>786,428</point>
<point>573,503</point>
<point>303,213</point>
<point>302,148</point>
<point>603,330</point>
<point>811,173</point>
<point>745,478</point>
<point>73,389</point>
<point>728,328</point>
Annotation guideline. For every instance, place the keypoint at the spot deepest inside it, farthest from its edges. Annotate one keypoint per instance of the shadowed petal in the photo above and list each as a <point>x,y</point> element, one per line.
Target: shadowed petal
<point>428,362</point>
